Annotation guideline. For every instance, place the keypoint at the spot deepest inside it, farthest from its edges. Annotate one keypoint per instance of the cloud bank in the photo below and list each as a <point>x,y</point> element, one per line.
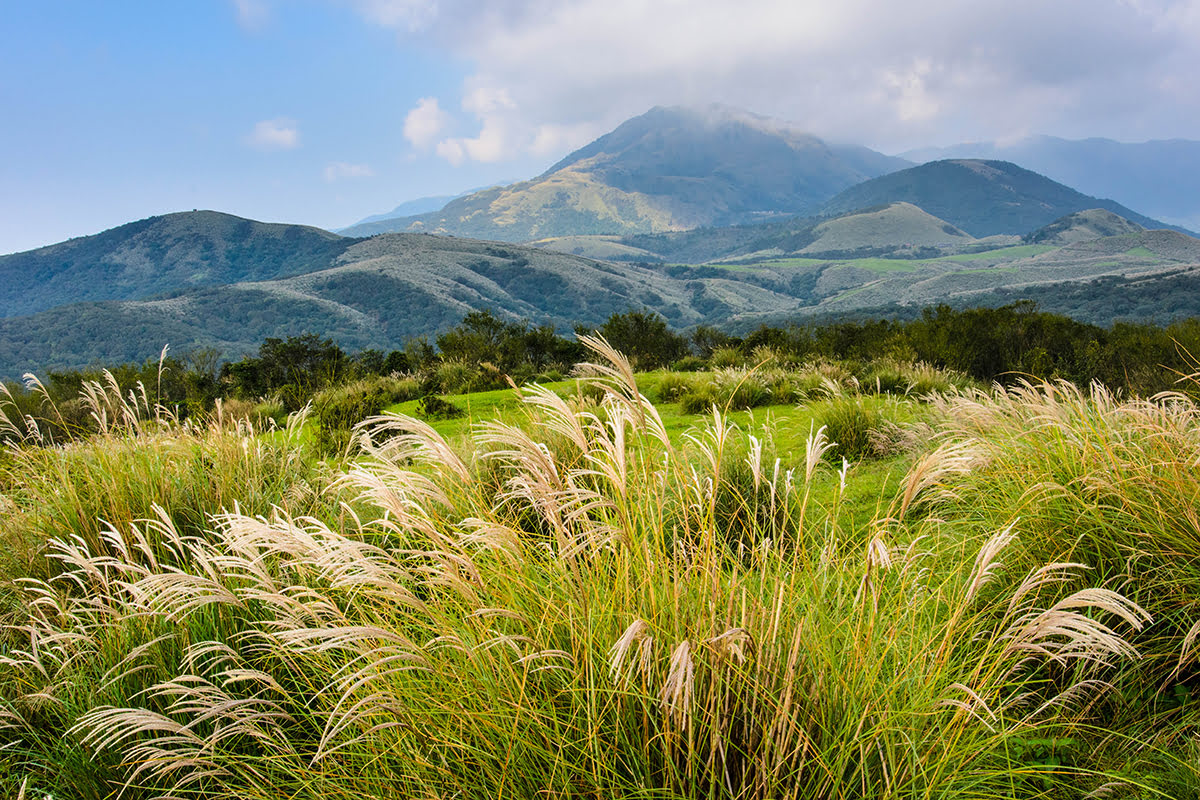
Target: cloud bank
<point>549,75</point>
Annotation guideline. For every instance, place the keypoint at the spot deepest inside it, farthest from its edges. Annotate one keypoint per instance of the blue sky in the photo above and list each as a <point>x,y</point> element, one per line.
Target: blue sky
<point>325,111</point>
<point>118,111</point>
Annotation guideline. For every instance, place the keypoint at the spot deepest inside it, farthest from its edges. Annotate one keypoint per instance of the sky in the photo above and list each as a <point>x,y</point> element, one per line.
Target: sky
<point>322,112</point>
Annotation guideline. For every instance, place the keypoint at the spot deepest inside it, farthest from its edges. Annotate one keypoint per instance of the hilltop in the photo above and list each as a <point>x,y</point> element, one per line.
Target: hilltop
<point>161,254</point>
<point>1156,177</point>
<point>1082,226</point>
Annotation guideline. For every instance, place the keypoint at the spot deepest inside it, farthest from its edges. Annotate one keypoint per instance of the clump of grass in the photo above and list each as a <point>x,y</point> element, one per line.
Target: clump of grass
<point>861,430</point>
<point>141,462</point>
<point>916,379</point>
<point>674,386</point>
<point>583,626</point>
<point>1099,480</point>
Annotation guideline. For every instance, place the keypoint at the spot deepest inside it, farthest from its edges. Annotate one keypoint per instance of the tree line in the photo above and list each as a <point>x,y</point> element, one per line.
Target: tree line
<point>483,351</point>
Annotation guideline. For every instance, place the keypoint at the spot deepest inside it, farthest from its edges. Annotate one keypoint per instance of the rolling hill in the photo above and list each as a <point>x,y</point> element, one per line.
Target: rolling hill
<point>161,254</point>
<point>1083,226</point>
<point>382,291</point>
<point>668,169</point>
<point>378,292</point>
<point>892,229</point>
<point>983,198</point>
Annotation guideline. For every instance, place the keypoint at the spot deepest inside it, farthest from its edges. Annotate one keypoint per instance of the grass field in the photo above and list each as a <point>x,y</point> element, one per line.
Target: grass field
<point>870,591</point>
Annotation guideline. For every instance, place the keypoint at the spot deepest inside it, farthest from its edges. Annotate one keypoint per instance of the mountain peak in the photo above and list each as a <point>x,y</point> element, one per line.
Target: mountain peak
<point>671,168</point>
<point>982,197</point>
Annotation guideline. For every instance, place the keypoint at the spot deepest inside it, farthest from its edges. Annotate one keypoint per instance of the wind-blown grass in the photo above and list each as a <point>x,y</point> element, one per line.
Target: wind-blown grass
<point>582,608</point>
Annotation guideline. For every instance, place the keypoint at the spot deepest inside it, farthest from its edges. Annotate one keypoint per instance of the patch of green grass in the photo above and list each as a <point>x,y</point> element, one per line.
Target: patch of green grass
<point>1003,253</point>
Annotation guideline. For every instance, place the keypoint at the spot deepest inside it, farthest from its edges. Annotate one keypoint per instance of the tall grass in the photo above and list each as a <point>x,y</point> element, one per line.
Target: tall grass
<point>579,609</point>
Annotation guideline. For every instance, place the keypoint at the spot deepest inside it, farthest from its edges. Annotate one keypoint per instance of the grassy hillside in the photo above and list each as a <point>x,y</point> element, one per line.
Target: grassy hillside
<point>897,225</point>
<point>980,197</point>
<point>1082,226</point>
<point>161,254</point>
<point>383,291</point>
<point>597,596</point>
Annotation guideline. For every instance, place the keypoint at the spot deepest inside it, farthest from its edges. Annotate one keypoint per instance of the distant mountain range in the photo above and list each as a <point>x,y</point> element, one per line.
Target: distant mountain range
<point>382,291</point>
<point>1159,178</point>
<point>386,222</point>
<point>668,169</point>
<point>710,216</point>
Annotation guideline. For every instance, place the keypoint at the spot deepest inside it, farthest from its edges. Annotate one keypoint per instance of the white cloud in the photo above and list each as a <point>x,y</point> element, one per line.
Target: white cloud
<point>501,134</point>
<point>885,73</point>
<point>340,169</point>
<point>275,134</point>
<point>425,122</point>
<point>252,15</point>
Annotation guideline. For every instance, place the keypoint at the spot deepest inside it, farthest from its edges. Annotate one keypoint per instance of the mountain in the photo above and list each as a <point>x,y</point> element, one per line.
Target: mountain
<point>1082,226</point>
<point>983,198</point>
<point>409,208</point>
<point>386,222</point>
<point>382,291</point>
<point>161,254</point>
<point>668,169</point>
<point>378,292</point>
<point>1159,177</point>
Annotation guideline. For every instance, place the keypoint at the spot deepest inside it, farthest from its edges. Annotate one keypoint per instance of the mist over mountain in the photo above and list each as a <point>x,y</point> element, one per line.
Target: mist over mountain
<point>1158,178</point>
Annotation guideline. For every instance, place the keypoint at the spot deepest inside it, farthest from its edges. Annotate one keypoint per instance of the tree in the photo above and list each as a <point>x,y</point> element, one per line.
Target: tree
<point>645,338</point>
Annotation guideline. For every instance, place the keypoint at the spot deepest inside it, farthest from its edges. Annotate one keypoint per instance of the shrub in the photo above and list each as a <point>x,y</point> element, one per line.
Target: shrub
<point>455,377</point>
<point>432,406</point>
<point>689,364</point>
<point>724,357</point>
<point>339,409</point>
<point>701,400</point>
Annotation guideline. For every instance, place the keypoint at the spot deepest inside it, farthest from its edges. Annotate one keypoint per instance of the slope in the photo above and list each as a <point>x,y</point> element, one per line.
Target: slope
<point>379,293</point>
<point>161,254</point>
<point>1082,226</point>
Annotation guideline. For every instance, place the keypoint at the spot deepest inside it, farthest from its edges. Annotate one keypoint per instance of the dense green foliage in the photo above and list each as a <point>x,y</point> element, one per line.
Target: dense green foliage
<point>484,352</point>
